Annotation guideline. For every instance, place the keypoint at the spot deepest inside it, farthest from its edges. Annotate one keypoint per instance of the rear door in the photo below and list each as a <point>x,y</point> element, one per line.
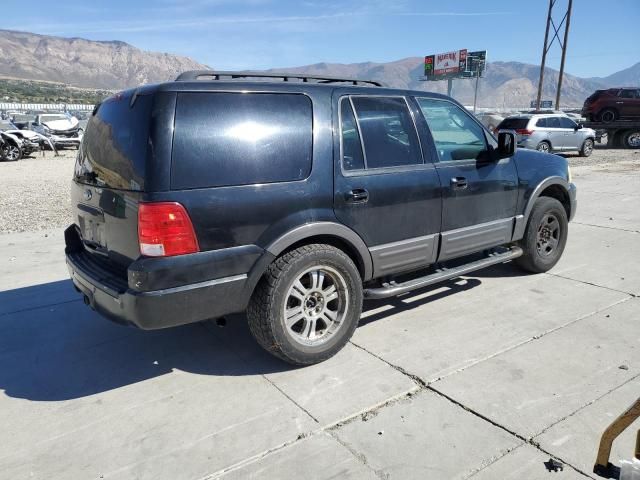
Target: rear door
<point>556,133</point>
<point>385,188</point>
<point>479,193</point>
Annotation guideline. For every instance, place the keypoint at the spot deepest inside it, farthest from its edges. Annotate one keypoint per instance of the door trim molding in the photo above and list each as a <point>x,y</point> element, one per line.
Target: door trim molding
<point>404,255</point>
<point>474,238</point>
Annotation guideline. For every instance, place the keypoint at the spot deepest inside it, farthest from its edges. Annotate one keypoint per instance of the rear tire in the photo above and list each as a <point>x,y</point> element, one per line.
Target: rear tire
<point>544,147</point>
<point>632,139</point>
<point>608,115</point>
<point>587,148</point>
<point>545,236</point>
<point>307,305</point>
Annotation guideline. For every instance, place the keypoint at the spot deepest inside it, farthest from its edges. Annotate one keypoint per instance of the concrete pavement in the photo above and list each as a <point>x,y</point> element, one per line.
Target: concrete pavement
<point>484,377</point>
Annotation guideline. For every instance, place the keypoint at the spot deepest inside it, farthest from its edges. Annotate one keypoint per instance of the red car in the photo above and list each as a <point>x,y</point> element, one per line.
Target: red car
<point>610,105</point>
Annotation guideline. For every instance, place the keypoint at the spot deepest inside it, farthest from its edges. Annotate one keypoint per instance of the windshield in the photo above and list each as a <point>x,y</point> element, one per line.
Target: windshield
<point>7,125</point>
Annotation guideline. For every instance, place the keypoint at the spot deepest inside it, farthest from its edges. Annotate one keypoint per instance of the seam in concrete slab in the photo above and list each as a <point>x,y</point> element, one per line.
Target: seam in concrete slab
<point>360,457</point>
<point>608,228</point>
<point>591,283</point>
<point>579,409</point>
<point>528,441</point>
<point>47,305</point>
<point>291,399</point>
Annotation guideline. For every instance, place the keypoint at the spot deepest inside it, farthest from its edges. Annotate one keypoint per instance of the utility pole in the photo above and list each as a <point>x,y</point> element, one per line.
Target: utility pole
<point>449,86</point>
<point>548,44</point>
<point>475,95</point>
<point>564,53</point>
<point>544,55</point>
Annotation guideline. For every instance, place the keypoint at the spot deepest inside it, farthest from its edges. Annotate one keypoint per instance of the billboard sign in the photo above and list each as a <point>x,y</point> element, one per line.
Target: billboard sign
<point>476,62</point>
<point>543,104</point>
<point>445,65</point>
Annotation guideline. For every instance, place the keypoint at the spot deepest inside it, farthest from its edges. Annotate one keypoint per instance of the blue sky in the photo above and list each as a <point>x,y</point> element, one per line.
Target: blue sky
<point>256,34</point>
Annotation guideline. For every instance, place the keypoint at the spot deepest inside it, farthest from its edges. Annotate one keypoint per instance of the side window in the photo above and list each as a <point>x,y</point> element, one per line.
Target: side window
<point>553,122</point>
<point>352,157</point>
<point>223,139</point>
<point>388,133</point>
<point>456,135</point>
<point>626,93</point>
<point>542,123</point>
<point>566,122</point>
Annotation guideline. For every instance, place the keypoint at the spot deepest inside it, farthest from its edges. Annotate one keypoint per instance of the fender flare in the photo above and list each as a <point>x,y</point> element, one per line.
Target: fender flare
<point>330,229</point>
<point>521,220</point>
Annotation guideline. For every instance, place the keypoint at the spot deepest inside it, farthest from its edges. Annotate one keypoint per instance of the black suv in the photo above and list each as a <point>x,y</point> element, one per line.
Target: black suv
<point>293,199</point>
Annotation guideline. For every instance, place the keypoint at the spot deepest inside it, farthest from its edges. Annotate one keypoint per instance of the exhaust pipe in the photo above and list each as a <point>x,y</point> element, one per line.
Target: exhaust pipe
<point>86,300</point>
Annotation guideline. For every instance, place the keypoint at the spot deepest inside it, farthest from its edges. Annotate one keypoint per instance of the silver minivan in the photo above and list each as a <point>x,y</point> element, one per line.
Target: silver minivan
<point>550,133</point>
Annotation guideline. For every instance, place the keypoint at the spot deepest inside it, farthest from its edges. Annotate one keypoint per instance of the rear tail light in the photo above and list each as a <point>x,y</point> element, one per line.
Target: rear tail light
<point>165,230</point>
<point>524,131</point>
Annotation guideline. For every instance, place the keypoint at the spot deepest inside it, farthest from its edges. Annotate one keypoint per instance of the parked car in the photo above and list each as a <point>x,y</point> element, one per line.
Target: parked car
<point>28,140</point>
<point>490,120</point>
<point>61,128</point>
<point>550,133</point>
<point>10,147</point>
<point>295,200</point>
<point>612,104</point>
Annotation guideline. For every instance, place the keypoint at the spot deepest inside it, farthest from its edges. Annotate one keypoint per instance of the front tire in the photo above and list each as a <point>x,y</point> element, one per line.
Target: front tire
<point>11,153</point>
<point>307,305</point>
<point>587,148</point>
<point>545,237</point>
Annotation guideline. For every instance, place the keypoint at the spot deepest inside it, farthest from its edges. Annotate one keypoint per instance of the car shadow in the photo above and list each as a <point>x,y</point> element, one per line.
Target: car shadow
<point>54,348</point>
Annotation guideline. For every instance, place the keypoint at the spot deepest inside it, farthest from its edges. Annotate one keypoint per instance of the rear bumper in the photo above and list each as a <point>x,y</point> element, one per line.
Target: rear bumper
<point>158,308</point>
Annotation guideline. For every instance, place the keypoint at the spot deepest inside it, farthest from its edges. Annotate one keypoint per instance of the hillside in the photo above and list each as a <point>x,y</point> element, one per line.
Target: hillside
<point>116,65</point>
<point>504,83</point>
<point>85,63</point>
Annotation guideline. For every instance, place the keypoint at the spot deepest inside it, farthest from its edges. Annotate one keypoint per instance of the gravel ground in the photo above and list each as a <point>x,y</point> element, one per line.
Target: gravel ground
<point>34,192</point>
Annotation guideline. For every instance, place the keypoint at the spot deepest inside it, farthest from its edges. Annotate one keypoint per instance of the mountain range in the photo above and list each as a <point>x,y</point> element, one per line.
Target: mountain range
<point>117,65</point>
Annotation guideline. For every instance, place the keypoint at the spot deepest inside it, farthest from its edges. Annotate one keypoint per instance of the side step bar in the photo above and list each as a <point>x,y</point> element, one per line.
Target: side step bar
<point>392,289</point>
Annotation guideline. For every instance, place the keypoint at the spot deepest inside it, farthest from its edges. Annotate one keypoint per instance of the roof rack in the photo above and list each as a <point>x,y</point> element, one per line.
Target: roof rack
<point>215,75</point>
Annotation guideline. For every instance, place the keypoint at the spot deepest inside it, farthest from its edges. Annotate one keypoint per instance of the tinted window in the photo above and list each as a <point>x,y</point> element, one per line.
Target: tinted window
<point>240,139</point>
<point>513,124</point>
<point>456,135</point>
<point>114,146</point>
<point>566,122</point>
<point>627,93</point>
<point>542,123</point>
<point>388,133</point>
<point>352,158</point>
<point>553,122</point>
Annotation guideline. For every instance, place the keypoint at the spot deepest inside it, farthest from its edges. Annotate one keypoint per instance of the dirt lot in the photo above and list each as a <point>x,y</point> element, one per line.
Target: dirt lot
<point>35,191</point>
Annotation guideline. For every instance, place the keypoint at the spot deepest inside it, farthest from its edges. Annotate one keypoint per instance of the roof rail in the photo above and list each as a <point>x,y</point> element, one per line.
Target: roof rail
<point>219,75</point>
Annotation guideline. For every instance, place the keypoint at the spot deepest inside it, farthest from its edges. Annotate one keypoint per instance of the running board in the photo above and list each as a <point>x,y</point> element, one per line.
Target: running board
<point>392,289</point>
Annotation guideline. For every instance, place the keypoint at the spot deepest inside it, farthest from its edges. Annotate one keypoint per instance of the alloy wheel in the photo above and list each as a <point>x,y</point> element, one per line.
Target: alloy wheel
<point>315,305</point>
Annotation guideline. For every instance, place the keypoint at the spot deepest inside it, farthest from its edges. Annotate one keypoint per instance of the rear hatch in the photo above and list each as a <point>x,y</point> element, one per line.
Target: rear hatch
<point>519,124</point>
<point>109,179</point>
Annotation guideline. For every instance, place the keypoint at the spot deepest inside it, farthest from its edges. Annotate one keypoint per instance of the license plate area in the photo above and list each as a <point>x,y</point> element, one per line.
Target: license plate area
<point>92,227</point>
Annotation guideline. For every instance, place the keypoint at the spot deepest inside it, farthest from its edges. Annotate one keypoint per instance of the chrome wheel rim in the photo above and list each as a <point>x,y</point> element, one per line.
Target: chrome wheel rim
<point>13,153</point>
<point>543,147</point>
<point>548,235</point>
<point>588,147</point>
<point>315,305</point>
<point>634,140</point>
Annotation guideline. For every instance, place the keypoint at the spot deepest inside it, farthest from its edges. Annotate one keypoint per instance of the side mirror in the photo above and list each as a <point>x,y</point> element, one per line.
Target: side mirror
<point>578,127</point>
<point>506,144</point>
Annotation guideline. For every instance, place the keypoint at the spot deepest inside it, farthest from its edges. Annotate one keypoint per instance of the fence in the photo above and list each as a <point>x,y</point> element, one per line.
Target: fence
<point>45,106</point>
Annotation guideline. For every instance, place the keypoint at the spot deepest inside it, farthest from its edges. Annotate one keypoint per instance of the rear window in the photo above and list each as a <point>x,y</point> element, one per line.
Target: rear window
<point>513,124</point>
<point>114,146</point>
<point>225,139</point>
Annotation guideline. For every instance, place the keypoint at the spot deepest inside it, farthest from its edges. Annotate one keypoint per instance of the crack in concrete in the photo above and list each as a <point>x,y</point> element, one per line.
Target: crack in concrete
<point>360,457</point>
<point>592,284</point>
<point>48,305</point>
<point>608,228</point>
